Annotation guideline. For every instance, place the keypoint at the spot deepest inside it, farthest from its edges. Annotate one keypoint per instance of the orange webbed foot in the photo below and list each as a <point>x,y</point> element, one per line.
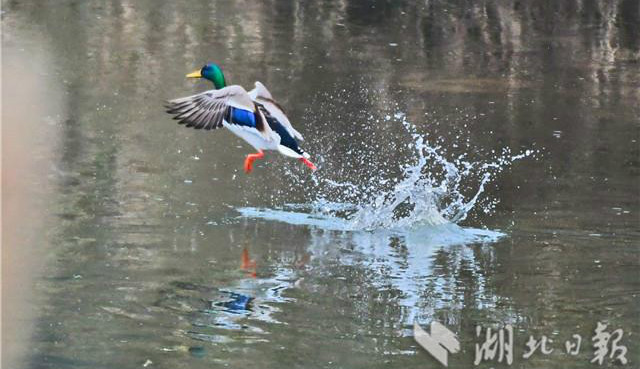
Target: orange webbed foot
<point>248,162</point>
<point>308,163</point>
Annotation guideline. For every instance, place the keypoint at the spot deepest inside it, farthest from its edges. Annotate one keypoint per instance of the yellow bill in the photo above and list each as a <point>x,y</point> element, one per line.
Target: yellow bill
<point>195,74</point>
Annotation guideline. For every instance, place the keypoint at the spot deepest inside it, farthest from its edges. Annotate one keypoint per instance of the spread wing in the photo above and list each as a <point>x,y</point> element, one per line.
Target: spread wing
<point>208,109</point>
<point>261,95</point>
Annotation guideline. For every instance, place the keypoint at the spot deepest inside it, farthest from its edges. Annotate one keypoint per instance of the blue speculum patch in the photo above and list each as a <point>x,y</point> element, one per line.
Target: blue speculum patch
<point>243,117</point>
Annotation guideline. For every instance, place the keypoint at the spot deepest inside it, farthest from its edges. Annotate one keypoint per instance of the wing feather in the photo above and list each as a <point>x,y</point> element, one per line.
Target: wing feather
<point>208,109</point>
<point>261,95</point>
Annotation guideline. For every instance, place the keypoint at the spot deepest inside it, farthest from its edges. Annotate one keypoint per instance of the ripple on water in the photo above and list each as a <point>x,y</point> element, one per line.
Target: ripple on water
<point>240,306</point>
<point>419,212</point>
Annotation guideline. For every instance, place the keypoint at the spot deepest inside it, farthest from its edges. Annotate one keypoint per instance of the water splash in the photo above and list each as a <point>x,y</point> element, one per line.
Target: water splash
<point>431,191</point>
<point>399,222</point>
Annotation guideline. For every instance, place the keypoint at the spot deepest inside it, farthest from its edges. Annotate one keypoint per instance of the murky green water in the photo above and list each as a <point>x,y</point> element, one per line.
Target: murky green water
<point>132,254</point>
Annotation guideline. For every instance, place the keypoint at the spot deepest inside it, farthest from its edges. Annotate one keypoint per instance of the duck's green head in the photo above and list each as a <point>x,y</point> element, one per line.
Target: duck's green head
<point>212,72</point>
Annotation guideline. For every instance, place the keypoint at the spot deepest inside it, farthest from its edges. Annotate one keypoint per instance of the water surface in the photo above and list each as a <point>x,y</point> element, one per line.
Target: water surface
<point>154,248</point>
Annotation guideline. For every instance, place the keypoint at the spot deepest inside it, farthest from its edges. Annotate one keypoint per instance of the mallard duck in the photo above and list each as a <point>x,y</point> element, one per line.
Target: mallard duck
<point>253,116</point>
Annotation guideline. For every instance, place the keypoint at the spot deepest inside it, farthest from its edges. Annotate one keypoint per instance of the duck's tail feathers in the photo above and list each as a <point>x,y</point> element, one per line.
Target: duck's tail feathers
<point>290,153</point>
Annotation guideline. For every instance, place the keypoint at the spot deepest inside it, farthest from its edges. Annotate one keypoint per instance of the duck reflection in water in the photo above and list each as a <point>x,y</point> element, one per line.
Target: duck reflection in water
<point>247,264</point>
<point>238,304</point>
